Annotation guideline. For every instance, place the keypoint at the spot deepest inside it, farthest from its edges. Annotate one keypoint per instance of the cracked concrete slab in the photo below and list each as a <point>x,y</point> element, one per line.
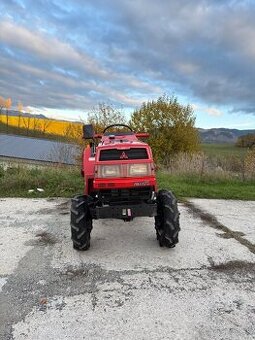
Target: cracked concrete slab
<point>3,281</point>
<point>12,248</point>
<point>117,245</point>
<point>161,309</point>
<point>239,216</point>
<point>125,286</point>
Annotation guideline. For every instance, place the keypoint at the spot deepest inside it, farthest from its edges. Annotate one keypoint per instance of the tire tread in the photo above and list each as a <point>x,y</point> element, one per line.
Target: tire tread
<point>167,220</point>
<point>81,222</point>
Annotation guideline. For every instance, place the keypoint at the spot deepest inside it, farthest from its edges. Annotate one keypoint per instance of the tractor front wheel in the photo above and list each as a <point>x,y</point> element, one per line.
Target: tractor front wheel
<point>167,220</point>
<point>81,222</point>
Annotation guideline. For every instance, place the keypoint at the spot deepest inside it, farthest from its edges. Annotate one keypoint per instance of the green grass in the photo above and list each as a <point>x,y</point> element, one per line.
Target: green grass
<point>66,182</point>
<point>63,182</point>
<point>207,187</point>
<point>223,150</point>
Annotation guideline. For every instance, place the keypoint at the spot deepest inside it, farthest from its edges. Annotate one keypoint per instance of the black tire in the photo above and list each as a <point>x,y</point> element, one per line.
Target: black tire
<point>167,223</point>
<point>81,222</point>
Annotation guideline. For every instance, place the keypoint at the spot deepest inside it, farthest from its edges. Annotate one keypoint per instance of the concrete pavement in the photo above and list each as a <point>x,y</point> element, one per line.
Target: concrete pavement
<point>126,286</point>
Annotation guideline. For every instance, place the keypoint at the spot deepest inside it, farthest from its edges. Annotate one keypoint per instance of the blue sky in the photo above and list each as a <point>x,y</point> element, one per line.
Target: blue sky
<point>62,58</point>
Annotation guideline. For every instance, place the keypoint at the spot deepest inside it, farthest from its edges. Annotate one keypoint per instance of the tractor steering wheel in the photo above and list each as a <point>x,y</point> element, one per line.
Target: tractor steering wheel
<point>123,125</point>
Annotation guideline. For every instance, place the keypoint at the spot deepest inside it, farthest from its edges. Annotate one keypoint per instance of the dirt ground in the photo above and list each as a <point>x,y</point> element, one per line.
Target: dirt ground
<point>126,286</point>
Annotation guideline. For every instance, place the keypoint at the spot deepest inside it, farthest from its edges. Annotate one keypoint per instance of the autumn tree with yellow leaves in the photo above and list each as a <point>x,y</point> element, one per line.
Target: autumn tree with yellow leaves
<point>45,124</point>
<point>20,110</point>
<point>73,132</point>
<point>2,104</point>
<point>7,105</point>
<point>170,124</point>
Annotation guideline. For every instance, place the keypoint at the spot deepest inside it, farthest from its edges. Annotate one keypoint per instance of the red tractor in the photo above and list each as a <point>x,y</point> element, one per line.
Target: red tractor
<point>120,182</point>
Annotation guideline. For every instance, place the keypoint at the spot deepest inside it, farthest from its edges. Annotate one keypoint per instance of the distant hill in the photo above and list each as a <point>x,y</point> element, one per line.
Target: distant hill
<point>15,113</point>
<point>222,135</point>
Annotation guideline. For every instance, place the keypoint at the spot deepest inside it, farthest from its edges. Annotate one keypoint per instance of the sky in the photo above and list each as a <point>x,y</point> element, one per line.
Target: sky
<point>62,58</point>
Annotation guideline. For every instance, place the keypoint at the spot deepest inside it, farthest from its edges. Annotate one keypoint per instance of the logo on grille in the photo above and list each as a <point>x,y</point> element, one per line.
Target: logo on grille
<point>123,155</point>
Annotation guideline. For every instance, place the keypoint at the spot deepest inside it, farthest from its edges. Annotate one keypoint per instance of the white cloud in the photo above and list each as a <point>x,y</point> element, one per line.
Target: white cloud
<point>55,51</point>
<point>48,48</point>
<point>113,51</point>
<point>214,112</point>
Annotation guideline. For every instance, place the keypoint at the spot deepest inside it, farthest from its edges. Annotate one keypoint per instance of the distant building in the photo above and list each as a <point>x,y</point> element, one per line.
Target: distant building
<point>38,151</point>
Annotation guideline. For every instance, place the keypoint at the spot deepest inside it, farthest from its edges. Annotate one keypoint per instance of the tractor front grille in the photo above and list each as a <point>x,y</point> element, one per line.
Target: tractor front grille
<point>115,154</point>
<point>120,196</point>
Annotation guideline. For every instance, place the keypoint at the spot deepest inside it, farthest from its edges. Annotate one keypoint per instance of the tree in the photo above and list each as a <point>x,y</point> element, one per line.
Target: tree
<point>36,124</point>
<point>246,141</point>
<point>103,115</point>
<point>2,105</point>
<point>73,132</point>
<point>249,163</point>
<point>8,104</point>
<point>170,124</point>
<point>64,153</point>
<point>27,120</point>
<point>20,110</point>
<point>45,124</point>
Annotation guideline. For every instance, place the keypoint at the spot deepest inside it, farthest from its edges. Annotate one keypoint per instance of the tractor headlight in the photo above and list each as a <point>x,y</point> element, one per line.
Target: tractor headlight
<point>109,171</point>
<point>139,170</point>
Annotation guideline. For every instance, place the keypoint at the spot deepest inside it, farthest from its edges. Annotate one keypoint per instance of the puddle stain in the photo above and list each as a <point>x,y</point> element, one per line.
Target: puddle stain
<point>43,238</point>
<point>228,236</point>
<point>62,208</point>
<point>233,266</point>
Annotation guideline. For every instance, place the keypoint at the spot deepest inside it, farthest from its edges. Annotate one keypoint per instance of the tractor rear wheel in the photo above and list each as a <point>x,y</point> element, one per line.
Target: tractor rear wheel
<point>167,220</point>
<point>81,222</point>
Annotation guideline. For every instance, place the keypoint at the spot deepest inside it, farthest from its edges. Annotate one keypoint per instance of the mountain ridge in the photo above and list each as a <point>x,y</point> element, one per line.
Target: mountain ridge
<point>15,113</point>
<point>222,135</point>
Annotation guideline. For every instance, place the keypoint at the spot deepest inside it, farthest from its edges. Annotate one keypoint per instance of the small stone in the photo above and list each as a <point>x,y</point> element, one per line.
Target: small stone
<point>40,189</point>
<point>43,301</point>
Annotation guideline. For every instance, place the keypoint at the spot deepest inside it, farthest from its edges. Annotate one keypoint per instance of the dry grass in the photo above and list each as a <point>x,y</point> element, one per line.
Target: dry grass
<point>203,165</point>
